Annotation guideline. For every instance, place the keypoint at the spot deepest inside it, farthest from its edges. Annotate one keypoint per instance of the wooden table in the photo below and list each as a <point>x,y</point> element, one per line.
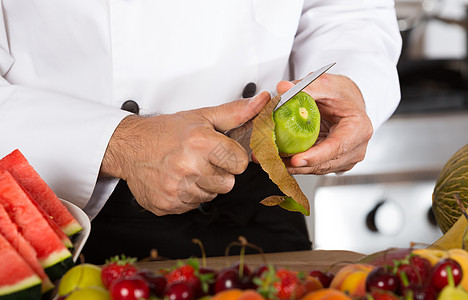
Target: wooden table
<point>299,260</point>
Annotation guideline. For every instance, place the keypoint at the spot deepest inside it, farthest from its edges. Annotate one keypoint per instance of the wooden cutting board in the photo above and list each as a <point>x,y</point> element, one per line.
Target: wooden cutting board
<point>299,261</point>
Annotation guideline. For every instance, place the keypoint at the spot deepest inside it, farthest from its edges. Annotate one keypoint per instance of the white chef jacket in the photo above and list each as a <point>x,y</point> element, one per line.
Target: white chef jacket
<point>67,66</point>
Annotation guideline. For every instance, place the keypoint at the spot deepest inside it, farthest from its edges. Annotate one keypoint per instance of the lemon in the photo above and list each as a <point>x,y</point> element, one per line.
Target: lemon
<point>80,276</point>
<point>90,293</point>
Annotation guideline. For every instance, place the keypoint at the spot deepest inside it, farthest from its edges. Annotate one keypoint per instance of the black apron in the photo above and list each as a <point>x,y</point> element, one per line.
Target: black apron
<point>124,227</point>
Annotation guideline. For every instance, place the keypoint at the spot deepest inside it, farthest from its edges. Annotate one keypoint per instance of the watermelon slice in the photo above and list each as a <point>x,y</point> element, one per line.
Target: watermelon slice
<point>10,232</point>
<point>53,256</point>
<point>58,231</point>
<point>17,279</point>
<point>38,189</point>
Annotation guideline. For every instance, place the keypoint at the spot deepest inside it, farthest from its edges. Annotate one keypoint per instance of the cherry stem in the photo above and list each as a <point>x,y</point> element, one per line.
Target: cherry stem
<point>404,278</point>
<point>243,242</point>
<point>202,249</point>
<point>451,280</point>
<point>246,243</point>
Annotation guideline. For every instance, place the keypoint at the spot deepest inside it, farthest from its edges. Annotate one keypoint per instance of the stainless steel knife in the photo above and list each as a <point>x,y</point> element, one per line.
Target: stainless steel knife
<point>242,133</point>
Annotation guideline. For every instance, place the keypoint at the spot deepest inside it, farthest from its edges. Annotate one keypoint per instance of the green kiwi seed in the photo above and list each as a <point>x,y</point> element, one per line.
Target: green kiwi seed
<point>297,124</point>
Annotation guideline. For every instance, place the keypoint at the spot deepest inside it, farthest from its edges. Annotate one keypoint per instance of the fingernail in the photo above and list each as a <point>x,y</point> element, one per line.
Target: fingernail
<point>301,163</point>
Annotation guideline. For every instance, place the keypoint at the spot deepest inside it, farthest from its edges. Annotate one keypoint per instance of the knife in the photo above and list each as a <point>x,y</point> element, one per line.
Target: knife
<point>242,133</point>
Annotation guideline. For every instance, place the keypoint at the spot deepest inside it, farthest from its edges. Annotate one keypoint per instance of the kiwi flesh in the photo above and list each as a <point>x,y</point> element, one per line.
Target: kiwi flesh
<point>297,124</point>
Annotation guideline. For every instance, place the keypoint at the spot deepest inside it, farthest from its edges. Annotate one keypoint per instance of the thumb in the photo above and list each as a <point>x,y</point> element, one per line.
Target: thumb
<point>233,114</point>
<point>283,86</point>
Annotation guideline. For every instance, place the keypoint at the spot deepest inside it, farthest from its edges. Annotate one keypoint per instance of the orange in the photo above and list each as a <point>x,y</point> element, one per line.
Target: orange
<point>326,294</point>
<point>250,295</point>
<point>232,294</point>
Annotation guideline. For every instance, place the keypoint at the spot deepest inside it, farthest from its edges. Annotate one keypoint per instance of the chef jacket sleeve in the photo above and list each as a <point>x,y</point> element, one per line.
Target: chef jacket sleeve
<point>53,130</point>
<point>363,38</point>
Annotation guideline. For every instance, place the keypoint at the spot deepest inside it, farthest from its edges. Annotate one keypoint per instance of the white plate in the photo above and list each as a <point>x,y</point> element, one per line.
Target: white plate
<point>82,218</point>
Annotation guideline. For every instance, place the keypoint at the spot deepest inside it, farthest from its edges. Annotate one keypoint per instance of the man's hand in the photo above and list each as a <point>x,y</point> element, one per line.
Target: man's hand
<point>345,127</point>
<point>172,163</point>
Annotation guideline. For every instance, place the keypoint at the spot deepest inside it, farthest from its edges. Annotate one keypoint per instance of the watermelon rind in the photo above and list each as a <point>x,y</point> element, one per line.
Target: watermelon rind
<point>57,264</point>
<point>72,228</point>
<point>29,288</point>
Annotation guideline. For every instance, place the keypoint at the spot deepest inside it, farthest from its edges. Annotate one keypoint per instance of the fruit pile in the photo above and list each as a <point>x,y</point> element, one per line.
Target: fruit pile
<point>35,232</point>
<point>393,274</point>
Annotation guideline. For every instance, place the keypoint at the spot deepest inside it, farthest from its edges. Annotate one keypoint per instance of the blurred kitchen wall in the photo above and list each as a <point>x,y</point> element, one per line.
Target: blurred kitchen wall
<point>385,201</point>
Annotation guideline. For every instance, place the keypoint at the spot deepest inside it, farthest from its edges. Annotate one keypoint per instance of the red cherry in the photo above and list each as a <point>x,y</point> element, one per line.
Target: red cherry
<point>133,288</point>
<point>156,283</point>
<point>179,290</point>
<point>325,278</point>
<point>227,279</point>
<point>441,271</point>
<point>382,278</point>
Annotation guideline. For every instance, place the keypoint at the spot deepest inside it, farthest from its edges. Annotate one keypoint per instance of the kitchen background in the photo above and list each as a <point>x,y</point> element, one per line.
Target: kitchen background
<point>385,201</point>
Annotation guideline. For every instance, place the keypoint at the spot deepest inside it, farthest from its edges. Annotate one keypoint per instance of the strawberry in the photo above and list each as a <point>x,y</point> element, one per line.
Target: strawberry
<point>116,268</point>
<point>189,272</point>
<point>415,270</point>
<point>281,284</point>
<point>289,285</point>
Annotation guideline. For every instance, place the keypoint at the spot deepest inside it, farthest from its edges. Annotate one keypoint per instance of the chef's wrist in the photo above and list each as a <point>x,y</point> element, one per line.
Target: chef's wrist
<point>121,148</point>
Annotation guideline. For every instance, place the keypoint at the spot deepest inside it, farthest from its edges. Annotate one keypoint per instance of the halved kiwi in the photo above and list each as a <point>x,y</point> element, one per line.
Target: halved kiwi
<point>297,124</point>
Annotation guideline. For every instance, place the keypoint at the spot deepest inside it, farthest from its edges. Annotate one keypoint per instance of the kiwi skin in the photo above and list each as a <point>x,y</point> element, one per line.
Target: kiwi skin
<point>297,124</point>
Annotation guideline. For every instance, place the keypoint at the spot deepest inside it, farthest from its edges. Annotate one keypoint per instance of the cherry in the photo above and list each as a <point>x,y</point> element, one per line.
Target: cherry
<point>207,277</point>
<point>179,290</point>
<point>383,279</point>
<point>156,283</point>
<point>132,288</point>
<point>420,292</point>
<point>441,271</point>
<point>259,270</point>
<point>227,279</point>
<point>325,278</point>
<point>245,269</point>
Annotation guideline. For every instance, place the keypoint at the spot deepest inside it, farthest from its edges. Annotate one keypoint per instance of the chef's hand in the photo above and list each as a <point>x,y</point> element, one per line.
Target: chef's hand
<point>174,162</point>
<point>345,127</point>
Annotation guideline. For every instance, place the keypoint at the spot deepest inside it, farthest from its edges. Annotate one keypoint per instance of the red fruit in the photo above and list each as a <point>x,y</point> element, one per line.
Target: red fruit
<point>259,270</point>
<point>179,290</point>
<point>324,277</point>
<point>133,288</point>
<point>117,268</point>
<point>414,271</point>
<point>382,278</point>
<point>289,286</point>
<point>383,295</point>
<point>156,283</point>
<point>187,274</point>
<point>227,279</point>
<point>420,292</point>
<point>441,273</point>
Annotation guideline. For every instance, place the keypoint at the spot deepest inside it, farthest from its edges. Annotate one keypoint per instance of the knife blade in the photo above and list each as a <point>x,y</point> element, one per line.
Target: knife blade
<point>242,133</point>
